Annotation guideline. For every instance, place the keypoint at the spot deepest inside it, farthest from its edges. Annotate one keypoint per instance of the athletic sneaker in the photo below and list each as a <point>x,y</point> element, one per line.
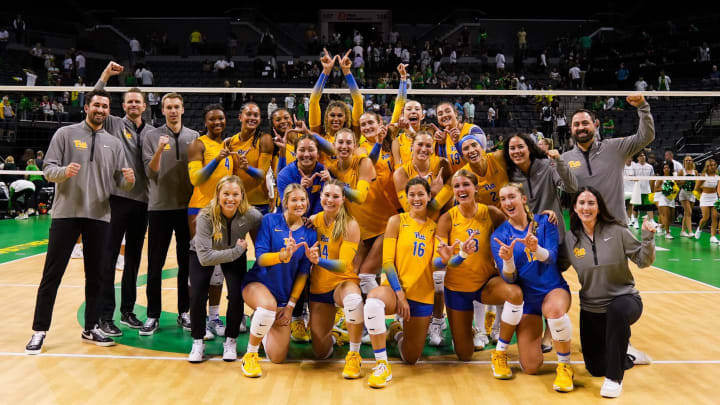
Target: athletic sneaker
<point>197,352</point>
<point>393,330</point>
<point>563,378</point>
<point>230,349</point>
<point>251,365</point>
<point>96,337</point>
<point>365,338</point>
<point>340,318</point>
<point>184,321</point>
<point>636,225</point>
<point>209,335</point>
<point>668,236</point>
<point>217,326</point>
<point>381,375</point>
<point>698,233</point>
<point>120,263</point>
<point>499,365</point>
<point>130,320</point>
<point>611,388</point>
<point>352,366</point>
<point>341,336</point>
<point>298,331</point>
<point>34,346</point>
<point>150,327</point>
<point>435,336</point>
<point>713,239</point>
<point>243,324</point>
<point>77,252</point>
<point>684,234</point>
<point>637,356</point>
<point>480,339</point>
<point>107,326</point>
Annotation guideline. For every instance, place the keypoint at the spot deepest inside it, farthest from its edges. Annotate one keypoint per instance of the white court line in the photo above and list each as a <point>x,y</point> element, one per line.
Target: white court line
<point>338,361</point>
<point>687,278</point>
<point>22,258</point>
<point>117,287</point>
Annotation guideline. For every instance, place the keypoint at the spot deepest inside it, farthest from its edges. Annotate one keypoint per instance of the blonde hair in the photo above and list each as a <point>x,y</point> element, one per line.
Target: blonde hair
<point>346,111</point>
<point>531,218</point>
<point>343,217</point>
<point>706,166</point>
<point>289,189</point>
<point>171,95</point>
<point>213,209</point>
<point>691,164</point>
<point>347,131</point>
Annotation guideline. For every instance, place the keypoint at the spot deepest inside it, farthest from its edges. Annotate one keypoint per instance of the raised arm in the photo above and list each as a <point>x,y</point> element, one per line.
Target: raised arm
<point>631,145</point>
<point>357,98</point>
<point>401,98</point>
<point>314,113</point>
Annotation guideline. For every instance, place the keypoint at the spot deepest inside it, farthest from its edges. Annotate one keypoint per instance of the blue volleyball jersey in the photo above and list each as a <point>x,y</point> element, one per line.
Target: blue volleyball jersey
<point>534,277</point>
<point>271,237</point>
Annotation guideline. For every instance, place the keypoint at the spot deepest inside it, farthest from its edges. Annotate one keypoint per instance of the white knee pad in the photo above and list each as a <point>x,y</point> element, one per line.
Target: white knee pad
<point>367,282</point>
<point>439,281</point>
<point>560,328</point>
<point>353,307</point>
<point>511,313</point>
<point>217,277</point>
<point>262,321</point>
<point>375,316</point>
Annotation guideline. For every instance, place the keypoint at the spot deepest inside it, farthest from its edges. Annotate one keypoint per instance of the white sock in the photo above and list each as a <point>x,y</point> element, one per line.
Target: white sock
<point>563,357</point>
<point>214,311</point>
<point>381,354</point>
<point>298,318</point>
<point>502,345</point>
<point>438,321</point>
<point>355,347</point>
<point>252,348</point>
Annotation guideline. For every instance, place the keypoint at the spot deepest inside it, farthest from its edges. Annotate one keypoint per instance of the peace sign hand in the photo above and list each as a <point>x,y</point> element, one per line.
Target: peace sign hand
<point>454,134</point>
<point>345,62</point>
<point>280,141</point>
<point>290,248</point>
<point>402,69</point>
<point>437,183</point>
<point>444,250</point>
<point>313,253</point>
<point>469,246</point>
<point>327,62</point>
<point>506,251</point>
<point>530,241</point>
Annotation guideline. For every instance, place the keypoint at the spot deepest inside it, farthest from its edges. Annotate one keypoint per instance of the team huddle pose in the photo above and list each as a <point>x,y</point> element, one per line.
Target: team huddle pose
<point>356,197</point>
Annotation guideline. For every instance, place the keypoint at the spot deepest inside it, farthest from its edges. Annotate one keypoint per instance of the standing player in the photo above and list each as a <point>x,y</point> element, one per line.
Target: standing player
<point>128,209</point>
<point>447,140</point>
<point>81,207</point>
<point>165,155</point>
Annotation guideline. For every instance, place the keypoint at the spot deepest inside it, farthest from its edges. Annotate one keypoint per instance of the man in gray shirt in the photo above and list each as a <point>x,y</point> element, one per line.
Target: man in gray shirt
<point>86,164</point>
<point>128,208</point>
<point>165,156</point>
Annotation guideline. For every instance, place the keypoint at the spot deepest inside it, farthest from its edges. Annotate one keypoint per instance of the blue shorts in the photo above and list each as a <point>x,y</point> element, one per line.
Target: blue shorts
<point>251,277</point>
<point>325,298</point>
<point>194,211</point>
<point>462,301</point>
<point>533,303</point>
<point>420,309</point>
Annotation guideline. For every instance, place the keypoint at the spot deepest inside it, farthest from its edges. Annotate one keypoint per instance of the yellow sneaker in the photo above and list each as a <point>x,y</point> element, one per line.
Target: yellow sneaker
<point>352,366</point>
<point>489,321</point>
<point>341,336</point>
<point>499,365</point>
<point>564,378</point>
<point>382,374</point>
<point>340,318</point>
<point>251,365</point>
<point>298,331</point>
<point>393,330</point>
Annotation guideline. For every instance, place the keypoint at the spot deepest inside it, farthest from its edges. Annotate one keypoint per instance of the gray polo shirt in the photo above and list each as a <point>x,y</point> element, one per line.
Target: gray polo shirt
<point>213,251</point>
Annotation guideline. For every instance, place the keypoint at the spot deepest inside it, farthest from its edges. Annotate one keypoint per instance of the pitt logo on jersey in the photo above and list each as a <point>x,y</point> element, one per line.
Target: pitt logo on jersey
<point>80,144</point>
<point>419,236</point>
<point>472,232</point>
<point>167,147</point>
<point>489,186</point>
<point>574,164</point>
<point>324,239</point>
<point>579,252</point>
<point>127,134</point>
<point>315,188</point>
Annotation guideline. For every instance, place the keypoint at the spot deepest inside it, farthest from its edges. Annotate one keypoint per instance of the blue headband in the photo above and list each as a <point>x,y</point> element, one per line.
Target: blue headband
<point>468,137</point>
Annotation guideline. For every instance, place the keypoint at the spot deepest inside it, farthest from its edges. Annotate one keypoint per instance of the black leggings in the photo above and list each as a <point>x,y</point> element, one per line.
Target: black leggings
<point>199,285</point>
<point>604,337</point>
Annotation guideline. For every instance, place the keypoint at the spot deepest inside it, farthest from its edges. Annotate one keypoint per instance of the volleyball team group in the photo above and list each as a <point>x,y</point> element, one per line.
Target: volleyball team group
<point>453,228</point>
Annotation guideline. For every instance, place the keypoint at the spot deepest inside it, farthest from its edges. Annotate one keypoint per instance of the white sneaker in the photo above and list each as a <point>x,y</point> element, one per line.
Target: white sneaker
<point>435,337</point>
<point>243,324</point>
<point>480,339</point>
<point>217,326</point>
<point>684,234</point>
<point>637,356</point>
<point>365,339</point>
<point>230,349</point>
<point>120,264</point>
<point>209,335</point>
<point>698,233</point>
<point>611,389</point>
<point>636,225</point>
<point>197,352</point>
<point>714,239</point>
<point>77,252</point>
<point>668,236</point>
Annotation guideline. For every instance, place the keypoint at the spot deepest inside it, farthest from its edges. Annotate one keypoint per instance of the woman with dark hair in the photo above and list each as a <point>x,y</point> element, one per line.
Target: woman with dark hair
<point>540,177</point>
<point>598,246</point>
<point>287,129</point>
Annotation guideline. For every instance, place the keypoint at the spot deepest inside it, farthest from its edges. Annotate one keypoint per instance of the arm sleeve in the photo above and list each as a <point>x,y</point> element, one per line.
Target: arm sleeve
<point>315,115</point>
<point>630,145</point>
<point>325,146</point>
<point>359,194</point>
<point>441,198</point>
<point>399,102</point>
<point>282,163</point>
<point>388,265</point>
<point>549,243</point>
<point>263,245</point>
<point>200,174</point>
<point>255,173</point>
<point>264,162</point>
<point>348,250</point>
<point>402,199</point>
<point>640,253</point>
<point>375,153</point>
<point>53,170</point>
<point>203,245</point>
<point>357,99</point>
<point>298,286</point>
